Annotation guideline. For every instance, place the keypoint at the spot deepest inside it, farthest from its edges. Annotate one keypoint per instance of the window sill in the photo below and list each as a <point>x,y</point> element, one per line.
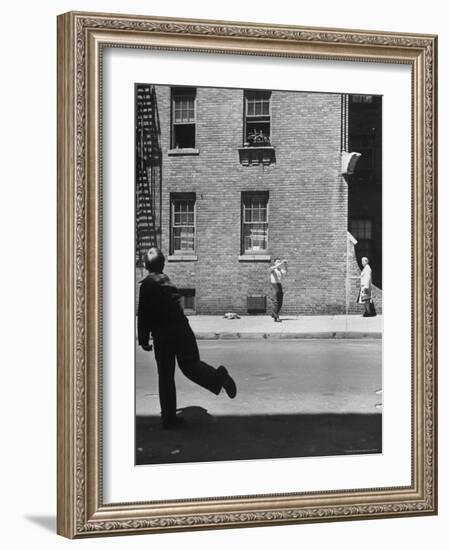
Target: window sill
<point>254,258</point>
<point>182,152</point>
<point>183,258</point>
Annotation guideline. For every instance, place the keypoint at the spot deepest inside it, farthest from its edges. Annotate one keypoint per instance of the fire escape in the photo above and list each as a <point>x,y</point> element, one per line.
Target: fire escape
<point>148,172</point>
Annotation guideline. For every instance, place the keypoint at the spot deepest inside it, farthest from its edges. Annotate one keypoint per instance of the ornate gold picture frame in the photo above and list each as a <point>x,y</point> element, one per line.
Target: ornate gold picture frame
<point>82,40</point>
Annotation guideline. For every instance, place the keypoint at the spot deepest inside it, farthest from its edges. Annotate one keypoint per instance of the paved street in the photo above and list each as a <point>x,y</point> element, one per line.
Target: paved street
<point>295,398</point>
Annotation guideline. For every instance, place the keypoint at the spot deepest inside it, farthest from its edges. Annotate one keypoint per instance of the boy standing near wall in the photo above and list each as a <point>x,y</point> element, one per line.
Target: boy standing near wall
<point>278,270</point>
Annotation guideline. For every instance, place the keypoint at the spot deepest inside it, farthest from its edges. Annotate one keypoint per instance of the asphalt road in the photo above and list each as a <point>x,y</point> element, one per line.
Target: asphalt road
<point>295,398</point>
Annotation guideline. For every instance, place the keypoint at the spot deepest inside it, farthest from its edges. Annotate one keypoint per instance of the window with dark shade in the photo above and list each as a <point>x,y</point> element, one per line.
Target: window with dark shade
<point>183,118</point>
<point>362,229</point>
<point>182,239</point>
<point>254,222</point>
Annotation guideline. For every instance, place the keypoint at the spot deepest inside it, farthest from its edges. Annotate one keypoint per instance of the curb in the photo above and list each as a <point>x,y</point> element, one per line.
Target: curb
<point>286,335</point>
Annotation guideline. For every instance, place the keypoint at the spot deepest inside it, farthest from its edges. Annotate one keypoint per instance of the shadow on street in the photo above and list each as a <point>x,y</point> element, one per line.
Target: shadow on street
<point>203,437</point>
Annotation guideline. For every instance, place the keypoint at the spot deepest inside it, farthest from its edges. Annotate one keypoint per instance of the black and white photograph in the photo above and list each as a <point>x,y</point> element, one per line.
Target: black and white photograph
<point>258,274</point>
<point>247,275</point>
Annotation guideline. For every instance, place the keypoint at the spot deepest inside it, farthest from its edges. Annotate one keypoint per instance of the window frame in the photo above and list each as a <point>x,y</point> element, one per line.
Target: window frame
<point>363,242</point>
<point>366,220</point>
<point>177,92</point>
<point>244,197</point>
<point>262,119</point>
<point>174,198</point>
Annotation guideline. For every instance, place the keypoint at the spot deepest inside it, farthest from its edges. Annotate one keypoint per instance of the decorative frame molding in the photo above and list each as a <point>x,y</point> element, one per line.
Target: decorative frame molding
<point>81,37</point>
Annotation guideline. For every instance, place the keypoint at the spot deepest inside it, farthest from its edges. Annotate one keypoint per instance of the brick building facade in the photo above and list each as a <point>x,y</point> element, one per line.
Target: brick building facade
<point>365,184</point>
<point>227,178</point>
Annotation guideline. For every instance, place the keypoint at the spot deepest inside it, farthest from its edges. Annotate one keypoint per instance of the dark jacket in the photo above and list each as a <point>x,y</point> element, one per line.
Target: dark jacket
<point>159,306</point>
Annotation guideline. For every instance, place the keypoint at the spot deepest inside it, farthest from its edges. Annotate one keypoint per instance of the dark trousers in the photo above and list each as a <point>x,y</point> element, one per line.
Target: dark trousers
<point>179,344</point>
<point>277,297</point>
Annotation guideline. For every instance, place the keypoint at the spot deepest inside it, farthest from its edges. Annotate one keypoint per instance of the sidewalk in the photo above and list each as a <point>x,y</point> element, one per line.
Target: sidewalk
<point>214,327</point>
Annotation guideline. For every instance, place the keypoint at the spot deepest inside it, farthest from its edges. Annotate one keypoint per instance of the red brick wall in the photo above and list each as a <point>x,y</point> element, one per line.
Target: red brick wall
<point>307,201</point>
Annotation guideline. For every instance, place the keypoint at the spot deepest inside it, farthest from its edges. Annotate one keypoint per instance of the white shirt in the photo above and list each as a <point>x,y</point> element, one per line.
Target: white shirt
<point>365,277</point>
<point>277,274</point>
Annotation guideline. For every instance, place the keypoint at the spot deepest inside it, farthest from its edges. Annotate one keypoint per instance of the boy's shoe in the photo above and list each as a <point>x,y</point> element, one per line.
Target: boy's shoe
<point>227,382</point>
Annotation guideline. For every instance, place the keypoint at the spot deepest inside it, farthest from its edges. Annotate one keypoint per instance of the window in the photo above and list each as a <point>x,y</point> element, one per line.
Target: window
<point>254,222</point>
<point>362,229</point>
<point>361,98</point>
<point>187,298</point>
<point>257,117</point>
<point>183,118</point>
<point>182,237</point>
